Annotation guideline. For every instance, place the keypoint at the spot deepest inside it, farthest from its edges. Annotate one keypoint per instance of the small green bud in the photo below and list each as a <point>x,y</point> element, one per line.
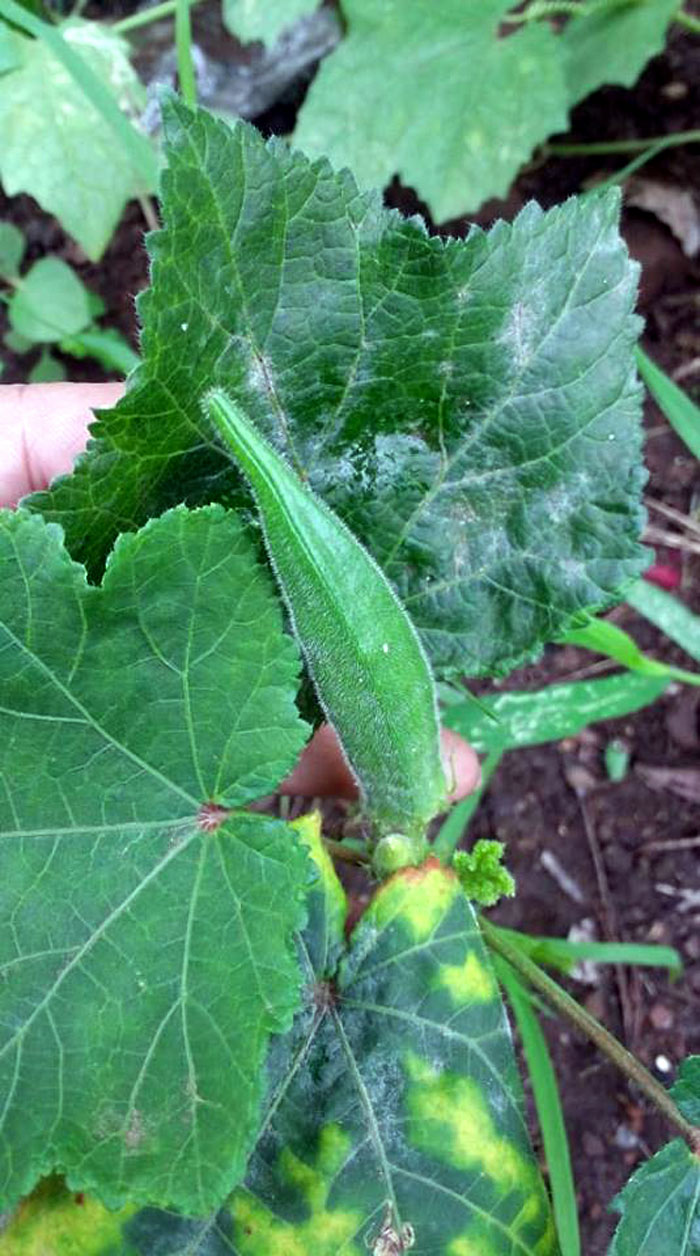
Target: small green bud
<point>396,851</point>
<point>482,875</point>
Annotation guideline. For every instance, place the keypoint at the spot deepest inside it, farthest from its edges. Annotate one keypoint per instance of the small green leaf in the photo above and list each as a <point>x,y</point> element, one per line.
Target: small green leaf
<point>146,917</point>
<point>482,874</point>
<point>461,107</point>
<point>613,44</point>
<point>48,370</point>
<point>469,408</point>
<point>249,20</point>
<point>50,302</point>
<point>604,637</point>
<point>660,1206</point>
<point>686,1089</point>
<point>85,176</point>
<point>106,345</point>
<point>550,714</point>
<point>12,246</point>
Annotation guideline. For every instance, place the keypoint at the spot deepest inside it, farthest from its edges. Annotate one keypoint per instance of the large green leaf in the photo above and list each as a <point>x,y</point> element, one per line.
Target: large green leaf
<point>145,929</point>
<point>469,408</point>
<point>264,19</point>
<point>461,108</point>
<point>613,44</point>
<point>55,144</point>
<point>398,1084</point>
<point>660,1204</point>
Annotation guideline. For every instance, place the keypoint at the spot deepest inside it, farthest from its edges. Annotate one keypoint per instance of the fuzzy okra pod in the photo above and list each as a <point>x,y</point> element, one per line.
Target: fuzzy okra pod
<point>363,653</point>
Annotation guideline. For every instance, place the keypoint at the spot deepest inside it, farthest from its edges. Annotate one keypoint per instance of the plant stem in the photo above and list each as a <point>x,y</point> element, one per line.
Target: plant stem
<point>603,1039</point>
<point>624,173</point>
<point>183,45</point>
<point>686,19</point>
<point>346,853</point>
<point>621,146</point>
<point>145,16</point>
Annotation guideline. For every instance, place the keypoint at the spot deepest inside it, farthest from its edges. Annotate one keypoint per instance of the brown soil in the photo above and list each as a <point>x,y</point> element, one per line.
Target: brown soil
<point>531,804</point>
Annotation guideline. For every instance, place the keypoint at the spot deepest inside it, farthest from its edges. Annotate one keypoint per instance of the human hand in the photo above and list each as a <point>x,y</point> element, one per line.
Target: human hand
<point>42,429</point>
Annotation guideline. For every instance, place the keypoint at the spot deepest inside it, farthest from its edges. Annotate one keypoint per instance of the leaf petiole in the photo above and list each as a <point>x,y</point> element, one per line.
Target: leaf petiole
<point>597,1033</point>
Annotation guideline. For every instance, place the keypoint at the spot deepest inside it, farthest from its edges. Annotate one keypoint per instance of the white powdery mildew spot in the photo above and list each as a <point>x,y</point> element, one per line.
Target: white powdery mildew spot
<point>519,333</point>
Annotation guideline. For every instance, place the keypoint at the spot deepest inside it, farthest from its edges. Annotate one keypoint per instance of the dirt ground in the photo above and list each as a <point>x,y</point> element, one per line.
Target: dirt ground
<point>647,887</point>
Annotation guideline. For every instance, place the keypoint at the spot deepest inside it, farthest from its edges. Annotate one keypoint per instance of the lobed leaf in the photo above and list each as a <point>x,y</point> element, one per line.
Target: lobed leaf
<point>461,107</point>
<point>397,1084</point>
<point>468,407</point>
<point>146,919</point>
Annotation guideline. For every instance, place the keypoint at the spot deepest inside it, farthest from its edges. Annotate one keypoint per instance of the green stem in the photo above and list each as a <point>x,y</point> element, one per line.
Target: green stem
<point>146,16</point>
<point>685,19</point>
<point>603,1039</point>
<point>183,45</point>
<point>135,145</point>
<point>346,853</point>
<point>621,146</point>
<point>632,166</point>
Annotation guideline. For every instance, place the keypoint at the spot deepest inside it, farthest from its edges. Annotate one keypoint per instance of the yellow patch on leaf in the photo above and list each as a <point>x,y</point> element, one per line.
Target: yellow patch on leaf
<point>258,1232</point>
<point>451,1120</point>
<point>471,982</point>
<point>418,897</point>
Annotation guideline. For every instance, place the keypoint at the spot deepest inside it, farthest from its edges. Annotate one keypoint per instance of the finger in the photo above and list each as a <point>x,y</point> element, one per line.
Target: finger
<point>42,429</point>
<point>322,771</point>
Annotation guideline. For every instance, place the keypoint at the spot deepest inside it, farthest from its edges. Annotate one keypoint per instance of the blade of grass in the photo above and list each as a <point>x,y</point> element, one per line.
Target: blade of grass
<point>562,954</point>
<point>450,832</point>
<point>668,614</point>
<point>681,412</point>
<point>549,1112</point>
<point>183,45</point>
<point>603,637</point>
<point>144,16</point>
<point>136,146</point>
<point>562,710</point>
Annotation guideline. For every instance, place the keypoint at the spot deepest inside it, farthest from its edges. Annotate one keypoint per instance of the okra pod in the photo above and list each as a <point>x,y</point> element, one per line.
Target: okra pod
<point>367,664</point>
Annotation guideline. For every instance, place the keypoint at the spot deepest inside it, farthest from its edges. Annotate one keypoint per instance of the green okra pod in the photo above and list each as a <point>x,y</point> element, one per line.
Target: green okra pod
<point>363,653</point>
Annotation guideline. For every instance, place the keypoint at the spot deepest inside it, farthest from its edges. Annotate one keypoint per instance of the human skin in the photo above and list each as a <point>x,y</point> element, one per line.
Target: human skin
<point>42,429</point>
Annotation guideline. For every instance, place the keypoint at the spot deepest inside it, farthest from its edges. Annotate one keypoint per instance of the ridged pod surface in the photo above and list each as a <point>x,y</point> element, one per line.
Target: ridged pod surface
<point>367,664</point>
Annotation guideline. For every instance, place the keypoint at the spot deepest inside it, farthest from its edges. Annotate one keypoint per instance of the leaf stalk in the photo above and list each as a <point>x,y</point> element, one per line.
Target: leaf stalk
<point>606,1042</point>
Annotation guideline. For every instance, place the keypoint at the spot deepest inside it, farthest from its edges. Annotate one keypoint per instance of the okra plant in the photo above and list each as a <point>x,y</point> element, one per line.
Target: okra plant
<point>361,457</point>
